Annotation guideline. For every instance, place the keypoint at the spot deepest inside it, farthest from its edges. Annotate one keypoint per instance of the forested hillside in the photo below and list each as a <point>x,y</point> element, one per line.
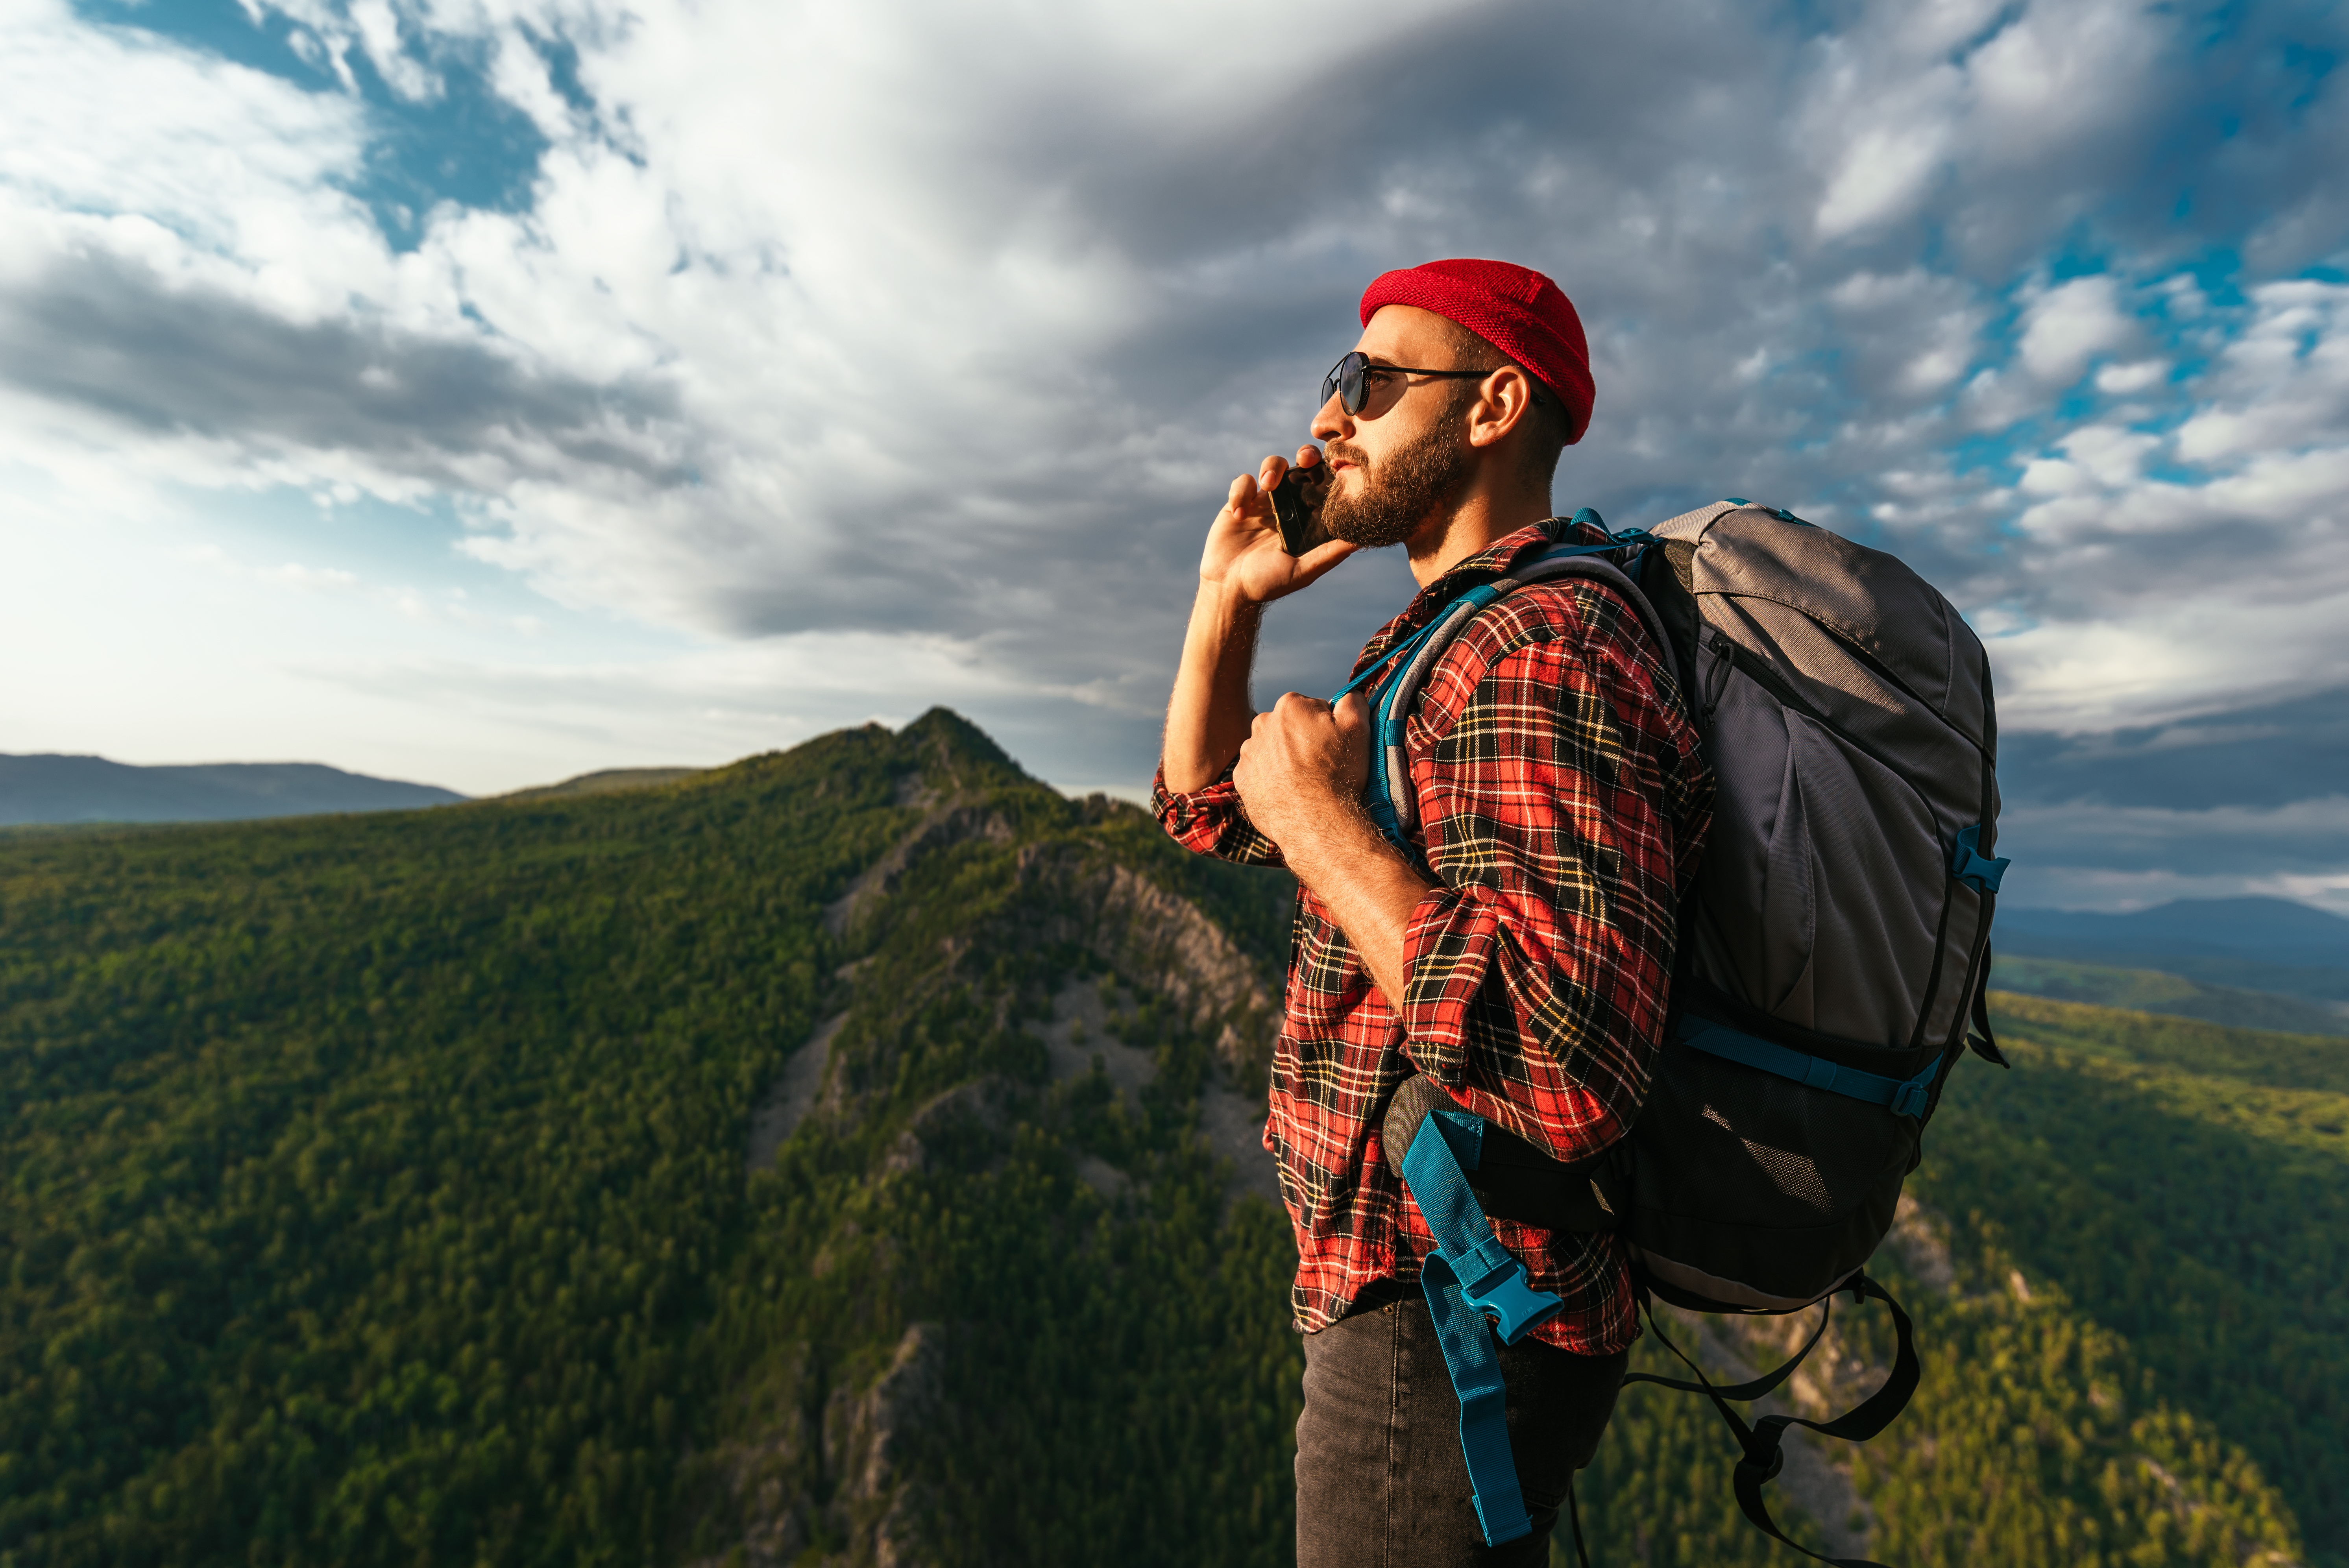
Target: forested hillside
<point>845,1157</point>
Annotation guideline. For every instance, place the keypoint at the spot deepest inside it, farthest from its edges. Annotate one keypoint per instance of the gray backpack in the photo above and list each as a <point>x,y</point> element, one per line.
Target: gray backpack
<point>1837,944</point>
<point>1832,951</point>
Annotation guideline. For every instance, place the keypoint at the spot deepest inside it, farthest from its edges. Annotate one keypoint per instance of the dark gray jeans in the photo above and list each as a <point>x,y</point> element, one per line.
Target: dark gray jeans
<point>1379,1479</point>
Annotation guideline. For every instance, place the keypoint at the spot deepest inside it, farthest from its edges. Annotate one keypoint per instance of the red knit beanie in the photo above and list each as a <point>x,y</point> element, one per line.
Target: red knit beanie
<point>1515,309</point>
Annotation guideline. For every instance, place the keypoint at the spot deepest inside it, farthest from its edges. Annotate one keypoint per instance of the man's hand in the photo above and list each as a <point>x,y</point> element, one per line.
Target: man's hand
<point>1242,570</point>
<point>1302,772</point>
<point>1300,777</point>
<point>1243,555</point>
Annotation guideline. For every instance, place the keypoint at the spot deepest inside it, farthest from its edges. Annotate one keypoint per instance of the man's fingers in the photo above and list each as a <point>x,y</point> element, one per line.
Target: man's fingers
<point>1293,713</point>
<point>1352,713</point>
<point>1245,503</point>
<point>1308,456</point>
<point>1325,555</point>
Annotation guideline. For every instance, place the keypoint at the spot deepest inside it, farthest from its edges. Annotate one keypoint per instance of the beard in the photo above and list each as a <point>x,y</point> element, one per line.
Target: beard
<point>1399,492</point>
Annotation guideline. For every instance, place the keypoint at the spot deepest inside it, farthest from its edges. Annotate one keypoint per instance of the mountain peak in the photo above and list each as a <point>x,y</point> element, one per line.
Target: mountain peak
<point>951,749</point>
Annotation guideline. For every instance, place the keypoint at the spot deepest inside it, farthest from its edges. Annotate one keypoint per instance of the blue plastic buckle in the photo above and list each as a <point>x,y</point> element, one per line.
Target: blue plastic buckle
<point>1971,866</point>
<point>1913,1099</point>
<point>1450,1142</point>
<point>1514,1306</point>
<point>1620,537</point>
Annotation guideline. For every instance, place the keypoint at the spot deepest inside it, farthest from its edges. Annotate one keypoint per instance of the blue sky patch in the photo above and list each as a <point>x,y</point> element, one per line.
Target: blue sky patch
<point>459,143</point>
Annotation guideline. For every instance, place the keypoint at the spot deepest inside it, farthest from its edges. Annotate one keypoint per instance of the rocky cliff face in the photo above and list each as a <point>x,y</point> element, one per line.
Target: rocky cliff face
<point>1163,944</point>
<point>828,1479</point>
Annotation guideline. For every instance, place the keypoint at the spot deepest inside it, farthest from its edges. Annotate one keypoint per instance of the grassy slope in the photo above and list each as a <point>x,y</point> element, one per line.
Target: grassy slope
<point>608,781</point>
<point>1122,1380</point>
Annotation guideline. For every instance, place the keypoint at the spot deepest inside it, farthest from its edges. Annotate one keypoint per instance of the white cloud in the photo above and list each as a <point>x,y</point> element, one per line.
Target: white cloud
<point>2283,383</point>
<point>311,579</point>
<point>2069,324</point>
<point>2137,376</point>
<point>2179,656</point>
<point>2116,891</point>
<point>2065,75</point>
<point>1887,175</point>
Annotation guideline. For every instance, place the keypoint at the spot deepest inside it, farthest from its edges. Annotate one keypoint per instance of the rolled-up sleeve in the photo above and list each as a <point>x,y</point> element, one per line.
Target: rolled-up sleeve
<point>1559,783</point>
<point>1211,822</point>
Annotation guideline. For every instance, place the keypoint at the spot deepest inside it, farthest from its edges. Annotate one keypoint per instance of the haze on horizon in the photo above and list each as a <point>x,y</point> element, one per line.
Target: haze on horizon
<point>482,392</point>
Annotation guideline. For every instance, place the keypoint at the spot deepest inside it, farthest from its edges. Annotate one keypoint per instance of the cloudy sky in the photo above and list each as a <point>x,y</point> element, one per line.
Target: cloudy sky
<point>483,391</point>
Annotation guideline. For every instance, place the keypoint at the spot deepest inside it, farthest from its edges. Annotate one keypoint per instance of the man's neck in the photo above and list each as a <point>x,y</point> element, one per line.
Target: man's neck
<point>1450,537</point>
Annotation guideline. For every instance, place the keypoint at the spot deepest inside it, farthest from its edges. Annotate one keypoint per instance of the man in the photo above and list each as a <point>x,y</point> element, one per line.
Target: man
<point>1563,804</point>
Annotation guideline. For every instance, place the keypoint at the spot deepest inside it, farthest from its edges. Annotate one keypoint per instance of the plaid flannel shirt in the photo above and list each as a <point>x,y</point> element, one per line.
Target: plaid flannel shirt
<point>1564,802</point>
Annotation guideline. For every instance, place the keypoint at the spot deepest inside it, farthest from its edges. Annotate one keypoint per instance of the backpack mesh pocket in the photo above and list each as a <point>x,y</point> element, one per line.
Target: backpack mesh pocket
<point>1744,1148</point>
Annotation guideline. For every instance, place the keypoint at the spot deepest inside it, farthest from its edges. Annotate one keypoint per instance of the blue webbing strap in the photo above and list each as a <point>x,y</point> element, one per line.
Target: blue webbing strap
<point>1391,705</point>
<point>1469,1275</point>
<point>1467,1343</point>
<point>1904,1097</point>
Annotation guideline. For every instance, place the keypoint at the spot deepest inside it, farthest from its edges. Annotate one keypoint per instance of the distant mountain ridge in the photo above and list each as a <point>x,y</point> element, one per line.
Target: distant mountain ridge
<point>50,787</point>
<point>2156,991</point>
<point>2250,944</point>
<point>605,781</point>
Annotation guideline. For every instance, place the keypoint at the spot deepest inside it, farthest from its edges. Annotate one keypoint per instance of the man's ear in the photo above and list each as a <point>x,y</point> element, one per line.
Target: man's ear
<point>1505,403</point>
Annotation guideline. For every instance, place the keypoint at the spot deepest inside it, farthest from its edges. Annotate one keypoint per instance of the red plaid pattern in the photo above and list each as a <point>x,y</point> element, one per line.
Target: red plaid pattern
<point>1564,803</point>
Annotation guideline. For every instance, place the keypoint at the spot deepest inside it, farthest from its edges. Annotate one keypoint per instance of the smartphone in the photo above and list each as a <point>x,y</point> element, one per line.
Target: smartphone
<point>1297,506</point>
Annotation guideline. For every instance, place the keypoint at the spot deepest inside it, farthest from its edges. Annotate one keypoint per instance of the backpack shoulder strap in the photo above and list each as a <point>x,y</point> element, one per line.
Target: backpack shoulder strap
<point>1549,567</point>
<point>1393,803</point>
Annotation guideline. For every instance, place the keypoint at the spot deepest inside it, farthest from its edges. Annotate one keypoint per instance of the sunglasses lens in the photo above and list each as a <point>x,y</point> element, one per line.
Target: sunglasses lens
<point>1345,382</point>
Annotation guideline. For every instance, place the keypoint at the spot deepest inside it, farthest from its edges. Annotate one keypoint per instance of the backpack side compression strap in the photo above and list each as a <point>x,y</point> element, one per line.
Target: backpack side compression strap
<point>1908,1097</point>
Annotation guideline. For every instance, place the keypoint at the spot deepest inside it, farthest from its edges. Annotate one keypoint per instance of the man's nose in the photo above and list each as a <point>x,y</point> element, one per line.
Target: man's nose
<point>1332,420</point>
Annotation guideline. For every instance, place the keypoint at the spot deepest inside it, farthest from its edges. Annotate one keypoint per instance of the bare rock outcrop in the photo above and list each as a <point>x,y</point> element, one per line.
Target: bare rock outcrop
<point>1920,1239</point>
<point>833,1489</point>
<point>792,1095</point>
<point>875,1505</point>
<point>1160,942</point>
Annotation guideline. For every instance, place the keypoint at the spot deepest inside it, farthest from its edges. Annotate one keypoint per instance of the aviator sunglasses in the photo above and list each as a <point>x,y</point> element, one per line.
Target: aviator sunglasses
<point>1348,380</point>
